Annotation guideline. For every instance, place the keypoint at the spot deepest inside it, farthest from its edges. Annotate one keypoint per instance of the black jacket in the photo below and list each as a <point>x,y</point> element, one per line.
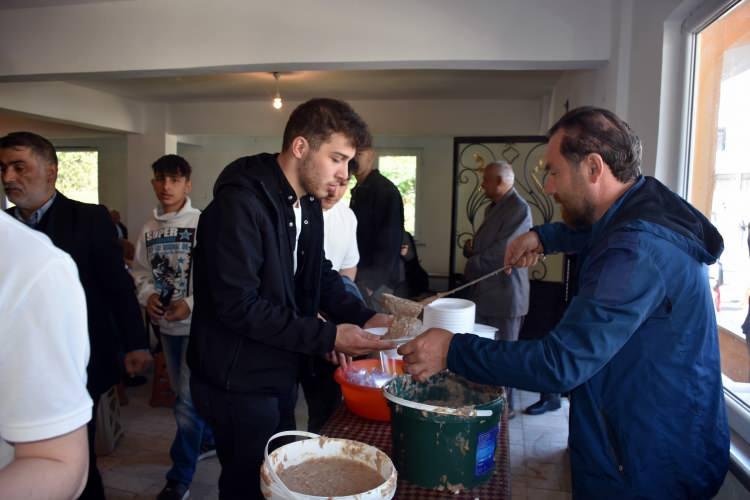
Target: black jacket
<point>254,319</point>
<point>379,209</point>
<point>88,234</point>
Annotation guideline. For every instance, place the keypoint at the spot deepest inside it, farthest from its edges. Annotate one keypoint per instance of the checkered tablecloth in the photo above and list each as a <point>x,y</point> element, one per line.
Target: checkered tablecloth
<point>344,424</point>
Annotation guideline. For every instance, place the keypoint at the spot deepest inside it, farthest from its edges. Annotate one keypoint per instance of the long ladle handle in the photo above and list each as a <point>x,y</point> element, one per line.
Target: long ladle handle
<point>440,295</point>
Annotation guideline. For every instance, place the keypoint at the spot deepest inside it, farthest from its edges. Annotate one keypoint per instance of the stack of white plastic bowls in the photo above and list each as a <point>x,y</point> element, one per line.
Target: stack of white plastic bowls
<point>455,315</point>
<point>484,331</point>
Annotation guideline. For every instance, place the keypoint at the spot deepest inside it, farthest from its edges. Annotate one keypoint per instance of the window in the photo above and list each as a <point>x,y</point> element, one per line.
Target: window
<point>402,171</point>
<point>720,174</point>
<point>78,175</point>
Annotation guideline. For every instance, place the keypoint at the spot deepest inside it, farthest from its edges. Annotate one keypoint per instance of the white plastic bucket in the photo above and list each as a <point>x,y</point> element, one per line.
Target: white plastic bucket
<point>321,447</point>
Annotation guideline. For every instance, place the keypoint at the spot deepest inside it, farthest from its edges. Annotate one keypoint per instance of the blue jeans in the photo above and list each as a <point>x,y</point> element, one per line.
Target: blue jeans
<point>192,431</point>
<point>350,287</point>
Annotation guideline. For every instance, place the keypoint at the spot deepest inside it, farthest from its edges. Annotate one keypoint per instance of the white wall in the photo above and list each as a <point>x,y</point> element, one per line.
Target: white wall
<point>424,126</point>
<point>164,35</point>
<point>393,117</point>
<point>579,88</point>
<point>113,172</point>
<point>143,150</point>
<point>644,85</point>
<point>630,84</point>
<point>68,103</point>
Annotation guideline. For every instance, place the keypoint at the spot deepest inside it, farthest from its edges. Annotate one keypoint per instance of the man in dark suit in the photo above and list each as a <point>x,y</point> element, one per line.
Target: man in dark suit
<point>379,208</point>
<point>122,229</point>
<point>502,300</point>
<point>28,164</point>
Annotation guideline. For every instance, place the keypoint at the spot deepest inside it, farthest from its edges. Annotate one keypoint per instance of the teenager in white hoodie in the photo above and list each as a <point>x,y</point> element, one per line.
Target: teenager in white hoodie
<point>163,275</point>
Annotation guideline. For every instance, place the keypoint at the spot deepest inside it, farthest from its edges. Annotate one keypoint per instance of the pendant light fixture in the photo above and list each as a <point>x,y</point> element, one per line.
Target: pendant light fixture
<point>277,102</point>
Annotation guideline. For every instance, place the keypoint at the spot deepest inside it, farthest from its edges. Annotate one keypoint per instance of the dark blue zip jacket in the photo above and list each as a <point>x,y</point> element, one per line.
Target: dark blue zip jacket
<point>637,347</point>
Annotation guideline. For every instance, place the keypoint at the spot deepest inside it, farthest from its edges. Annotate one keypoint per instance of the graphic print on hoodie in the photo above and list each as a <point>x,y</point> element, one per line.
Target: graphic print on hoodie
<point>164,260</point>
<point>170,251</point>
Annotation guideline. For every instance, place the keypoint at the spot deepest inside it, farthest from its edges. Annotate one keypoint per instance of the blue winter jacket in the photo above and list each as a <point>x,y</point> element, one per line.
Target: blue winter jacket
<point>637,348</point>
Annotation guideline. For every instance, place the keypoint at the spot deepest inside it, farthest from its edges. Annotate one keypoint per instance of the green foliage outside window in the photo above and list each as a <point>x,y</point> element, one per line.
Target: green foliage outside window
<point>78,175</point>
<point>402,171</point>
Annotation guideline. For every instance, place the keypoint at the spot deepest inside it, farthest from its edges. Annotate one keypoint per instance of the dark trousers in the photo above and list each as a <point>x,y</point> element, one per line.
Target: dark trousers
<point>242,424</point>
<point>94,489</point>
<point>507,329</point>
<point>322,393</point>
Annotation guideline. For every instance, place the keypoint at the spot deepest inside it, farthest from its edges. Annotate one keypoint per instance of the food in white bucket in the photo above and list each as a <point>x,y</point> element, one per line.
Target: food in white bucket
<point>322,449</point>
<point>331,477</point>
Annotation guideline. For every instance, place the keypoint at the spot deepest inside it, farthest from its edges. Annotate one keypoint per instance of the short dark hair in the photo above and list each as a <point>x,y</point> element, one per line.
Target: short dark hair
<point>352,167</point>
<point>317,119</point>
<point>172,165</point>
<point>595,130</point>
<point>38,145</point>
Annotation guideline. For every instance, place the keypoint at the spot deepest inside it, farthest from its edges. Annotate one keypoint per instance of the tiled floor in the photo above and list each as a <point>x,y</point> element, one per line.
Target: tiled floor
<point>135,470</point>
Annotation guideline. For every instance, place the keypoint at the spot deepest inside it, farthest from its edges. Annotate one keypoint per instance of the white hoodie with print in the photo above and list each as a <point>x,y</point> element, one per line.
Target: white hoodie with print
<point>164,257</point>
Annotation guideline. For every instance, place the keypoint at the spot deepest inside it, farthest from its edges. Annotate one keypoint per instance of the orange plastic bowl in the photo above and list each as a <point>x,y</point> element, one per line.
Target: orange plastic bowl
<point>367,402</point>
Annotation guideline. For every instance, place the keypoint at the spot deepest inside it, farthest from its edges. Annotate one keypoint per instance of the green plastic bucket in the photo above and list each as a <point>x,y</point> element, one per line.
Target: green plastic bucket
<point>444,430</point>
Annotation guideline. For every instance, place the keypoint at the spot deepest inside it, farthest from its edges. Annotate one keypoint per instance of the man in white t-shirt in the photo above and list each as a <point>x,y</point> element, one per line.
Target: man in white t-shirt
<point>322,393</point>
<point>44,404</point>
<point>340,236</point>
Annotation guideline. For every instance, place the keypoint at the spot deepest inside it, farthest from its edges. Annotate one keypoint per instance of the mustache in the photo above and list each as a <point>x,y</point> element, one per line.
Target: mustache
<point>11,185</point>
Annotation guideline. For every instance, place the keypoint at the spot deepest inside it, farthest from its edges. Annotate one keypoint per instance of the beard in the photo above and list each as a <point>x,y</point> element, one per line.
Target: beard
<point>311,181</point>
<point>577,216</point>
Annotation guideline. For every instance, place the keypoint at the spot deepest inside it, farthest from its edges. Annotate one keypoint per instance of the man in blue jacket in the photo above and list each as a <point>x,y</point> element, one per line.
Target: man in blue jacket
<point>637,347</point>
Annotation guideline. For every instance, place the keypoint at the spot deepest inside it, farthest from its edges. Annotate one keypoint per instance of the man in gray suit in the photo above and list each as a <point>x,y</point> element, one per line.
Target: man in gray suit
<point>502,300</point>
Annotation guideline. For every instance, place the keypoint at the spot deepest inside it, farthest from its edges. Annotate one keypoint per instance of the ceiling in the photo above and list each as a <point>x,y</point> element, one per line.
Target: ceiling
<point>12,121</point>
<point>351,85</point>
<point>31,4</point>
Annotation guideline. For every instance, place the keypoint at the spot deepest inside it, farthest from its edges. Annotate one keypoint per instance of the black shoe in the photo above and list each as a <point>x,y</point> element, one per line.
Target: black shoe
<point>174,491</point>
<point>542,406</point>
<point>134,381</point>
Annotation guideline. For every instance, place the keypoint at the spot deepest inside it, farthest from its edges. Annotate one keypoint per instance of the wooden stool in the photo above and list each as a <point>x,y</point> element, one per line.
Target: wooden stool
<point>161,391</point>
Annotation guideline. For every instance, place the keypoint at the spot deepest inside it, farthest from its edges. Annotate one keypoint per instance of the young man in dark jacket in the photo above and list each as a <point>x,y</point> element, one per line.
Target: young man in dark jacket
<point>637,345</point>
<point>260,279</point>
<point>379,208</point>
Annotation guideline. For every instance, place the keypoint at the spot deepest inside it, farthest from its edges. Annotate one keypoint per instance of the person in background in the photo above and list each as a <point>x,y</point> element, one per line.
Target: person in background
<point>28,164</point>
<point>637,345</point>
<point>322,392</point>
<point>416,283</point>
<point>163,275</point>
<point>379,208</point>
<point>261,278</point>
<point>128,249</point>
<point>502,300</point>
<point>340,234</point>
<point>43,443</point>
<point>122,230</point>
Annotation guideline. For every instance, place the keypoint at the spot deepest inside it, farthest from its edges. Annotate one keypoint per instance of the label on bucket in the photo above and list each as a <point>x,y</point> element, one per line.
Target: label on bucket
<point>486,443</point>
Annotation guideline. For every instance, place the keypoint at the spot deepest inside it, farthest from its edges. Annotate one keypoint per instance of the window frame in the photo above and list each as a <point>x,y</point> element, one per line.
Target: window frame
<point>702,15</point>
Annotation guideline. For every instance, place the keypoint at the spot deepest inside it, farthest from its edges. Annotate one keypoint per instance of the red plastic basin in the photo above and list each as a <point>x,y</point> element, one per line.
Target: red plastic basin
<point>367,402</point>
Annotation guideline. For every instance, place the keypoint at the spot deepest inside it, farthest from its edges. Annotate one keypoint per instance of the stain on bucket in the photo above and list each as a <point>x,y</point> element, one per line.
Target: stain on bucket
<point>444,430</point>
